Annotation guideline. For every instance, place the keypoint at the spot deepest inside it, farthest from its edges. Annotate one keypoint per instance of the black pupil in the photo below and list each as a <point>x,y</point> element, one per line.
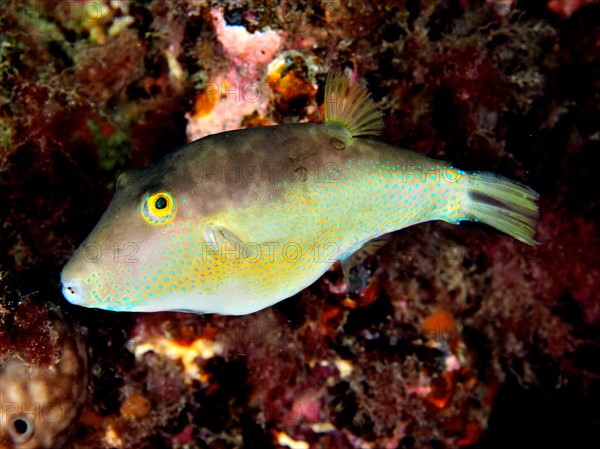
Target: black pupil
<point>21,426</point>
<point>161,203</point>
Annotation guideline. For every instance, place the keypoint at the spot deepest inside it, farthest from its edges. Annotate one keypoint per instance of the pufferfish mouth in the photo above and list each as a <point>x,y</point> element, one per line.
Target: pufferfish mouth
<point>72,290</point>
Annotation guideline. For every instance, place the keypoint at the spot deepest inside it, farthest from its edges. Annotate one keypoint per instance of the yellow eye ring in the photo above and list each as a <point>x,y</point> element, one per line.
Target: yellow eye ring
<point>159,209</point>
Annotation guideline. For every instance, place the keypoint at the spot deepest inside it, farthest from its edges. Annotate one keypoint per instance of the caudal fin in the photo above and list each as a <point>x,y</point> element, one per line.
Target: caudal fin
<point>504,204</point>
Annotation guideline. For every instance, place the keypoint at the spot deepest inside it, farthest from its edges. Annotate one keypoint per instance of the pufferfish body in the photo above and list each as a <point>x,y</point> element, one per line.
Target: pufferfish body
<point>238,221</point>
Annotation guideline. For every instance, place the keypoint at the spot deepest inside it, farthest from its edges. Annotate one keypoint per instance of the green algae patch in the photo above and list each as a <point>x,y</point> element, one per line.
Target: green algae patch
<point>113,146</point>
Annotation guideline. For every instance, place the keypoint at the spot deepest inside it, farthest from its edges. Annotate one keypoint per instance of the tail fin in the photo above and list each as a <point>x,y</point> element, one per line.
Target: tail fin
<point>506,205</point>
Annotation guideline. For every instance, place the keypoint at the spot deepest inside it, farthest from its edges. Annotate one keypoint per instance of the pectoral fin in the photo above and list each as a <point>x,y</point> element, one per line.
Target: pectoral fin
<point>220,238</point>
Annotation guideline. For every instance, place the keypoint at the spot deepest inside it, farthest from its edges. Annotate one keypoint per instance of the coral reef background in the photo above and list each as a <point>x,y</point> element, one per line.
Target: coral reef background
<point>461,337</point>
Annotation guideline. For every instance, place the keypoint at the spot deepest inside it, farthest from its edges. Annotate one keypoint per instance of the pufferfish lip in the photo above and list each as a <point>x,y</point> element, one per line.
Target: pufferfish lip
<point>72,290</point>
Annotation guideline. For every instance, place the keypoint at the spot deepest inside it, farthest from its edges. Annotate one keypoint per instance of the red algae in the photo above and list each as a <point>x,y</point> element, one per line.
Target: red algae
<point>566,8</point>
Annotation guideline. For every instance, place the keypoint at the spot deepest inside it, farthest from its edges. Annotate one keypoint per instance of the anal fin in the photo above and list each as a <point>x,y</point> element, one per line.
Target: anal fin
<point>355,274</point>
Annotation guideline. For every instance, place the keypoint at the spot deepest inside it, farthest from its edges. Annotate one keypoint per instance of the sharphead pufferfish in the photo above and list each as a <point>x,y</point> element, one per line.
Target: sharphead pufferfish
<point>238,221</point>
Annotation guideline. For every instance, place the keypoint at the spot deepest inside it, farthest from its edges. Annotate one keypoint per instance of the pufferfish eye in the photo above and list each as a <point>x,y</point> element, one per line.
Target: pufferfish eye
<point>159,208</point>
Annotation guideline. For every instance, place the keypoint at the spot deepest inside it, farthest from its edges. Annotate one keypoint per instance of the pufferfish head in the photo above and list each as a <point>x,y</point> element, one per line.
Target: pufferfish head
<point>118,266</point>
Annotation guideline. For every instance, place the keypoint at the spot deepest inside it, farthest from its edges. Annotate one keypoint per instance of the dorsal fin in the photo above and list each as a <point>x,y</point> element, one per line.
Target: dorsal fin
<point>351,106</point>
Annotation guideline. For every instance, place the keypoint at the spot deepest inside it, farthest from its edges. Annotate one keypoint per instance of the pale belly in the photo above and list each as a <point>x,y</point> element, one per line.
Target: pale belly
<point>287,244</point>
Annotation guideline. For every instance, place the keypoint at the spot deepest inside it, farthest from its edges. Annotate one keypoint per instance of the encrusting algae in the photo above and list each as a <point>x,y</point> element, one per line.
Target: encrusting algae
<point>238,221</point>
